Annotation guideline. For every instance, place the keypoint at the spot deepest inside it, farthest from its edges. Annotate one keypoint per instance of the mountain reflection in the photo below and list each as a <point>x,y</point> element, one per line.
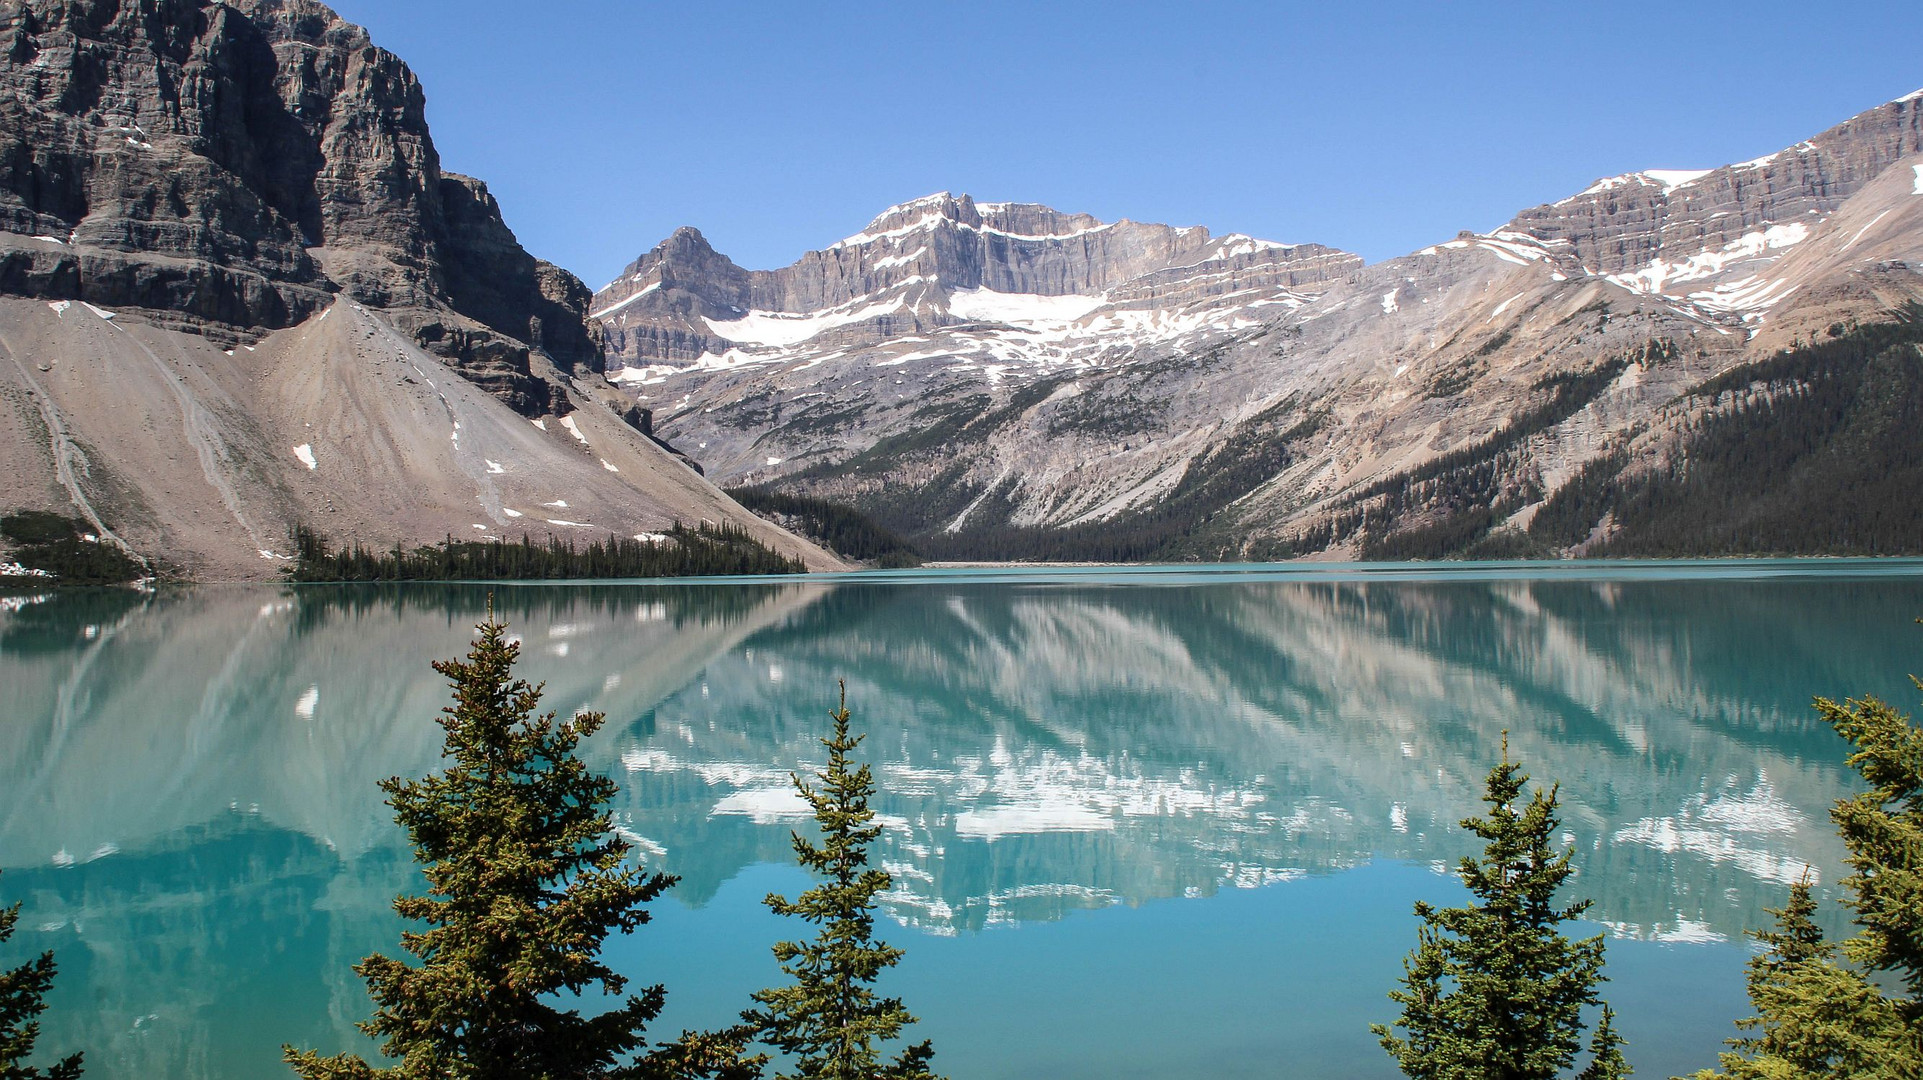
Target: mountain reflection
<point>1049,748</point>
<point>188,780</point>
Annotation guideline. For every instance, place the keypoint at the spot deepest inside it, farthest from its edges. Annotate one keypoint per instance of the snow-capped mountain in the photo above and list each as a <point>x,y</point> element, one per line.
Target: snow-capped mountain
<point>965,368</point>
<point>1002,282</point>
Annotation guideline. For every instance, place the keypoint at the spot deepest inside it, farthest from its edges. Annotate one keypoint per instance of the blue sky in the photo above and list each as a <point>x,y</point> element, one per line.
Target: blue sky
<point>601,125</point>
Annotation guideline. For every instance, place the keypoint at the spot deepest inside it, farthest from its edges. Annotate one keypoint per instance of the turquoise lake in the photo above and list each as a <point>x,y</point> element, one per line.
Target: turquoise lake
<point>1156,822</point>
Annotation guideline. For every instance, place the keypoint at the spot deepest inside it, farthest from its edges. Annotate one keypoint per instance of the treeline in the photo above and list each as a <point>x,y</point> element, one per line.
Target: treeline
<point>843,529</point>
<point>702,551</point>
<point>57,545</point>
<point>1466,493</point>
<point>1813,451</point>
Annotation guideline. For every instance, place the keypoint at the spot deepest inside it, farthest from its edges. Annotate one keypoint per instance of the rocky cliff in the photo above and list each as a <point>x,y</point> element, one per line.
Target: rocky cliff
<point>238,294</point>
<point>228,168</point>
<point>1646,223</point>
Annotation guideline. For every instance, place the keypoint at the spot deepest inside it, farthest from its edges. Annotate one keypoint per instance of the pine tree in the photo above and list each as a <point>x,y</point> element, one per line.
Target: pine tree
<point>23,992</point>
<point>1494,991</point>
<point>829,1020</point>
<point>1814,1017</point>
<point>1606,1061</point>
<point>525,881</point>
<point>1883,830</point>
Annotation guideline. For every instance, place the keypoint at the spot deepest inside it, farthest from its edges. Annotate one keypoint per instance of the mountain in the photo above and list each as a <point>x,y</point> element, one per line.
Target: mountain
<point>936,263</point>
<point>238,293</point>
<point>1006,380</point>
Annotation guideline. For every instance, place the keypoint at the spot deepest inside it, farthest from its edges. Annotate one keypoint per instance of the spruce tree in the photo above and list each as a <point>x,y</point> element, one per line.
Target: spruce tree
<point>1821,1015</point>
<point>1494,990</point>
<point>1882,828</point>
<point>1814,1018</point>
<point>23,992</point>
<point>525,881</point>
<point>829,1021</point>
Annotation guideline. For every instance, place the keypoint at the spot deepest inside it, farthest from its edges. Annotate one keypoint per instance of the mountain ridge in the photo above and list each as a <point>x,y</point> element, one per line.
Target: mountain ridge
<point>1115,392</point>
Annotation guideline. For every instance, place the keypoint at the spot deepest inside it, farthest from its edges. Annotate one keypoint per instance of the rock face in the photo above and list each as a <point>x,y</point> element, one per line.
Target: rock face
<point>1005,380</point>
<point>903,273</point>
<point>228,168</point>
<point>1632,223</point>
<point>238,295</point>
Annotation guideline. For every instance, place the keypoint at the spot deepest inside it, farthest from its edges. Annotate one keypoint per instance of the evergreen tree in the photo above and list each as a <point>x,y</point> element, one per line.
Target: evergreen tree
<point>525,881</point>
<point>23,991</point>
<point>1606,1061</point>
<point>1883,830</point>
<point>1814,1017</point>
<point>1494,991</point>
<point>829,1020</point>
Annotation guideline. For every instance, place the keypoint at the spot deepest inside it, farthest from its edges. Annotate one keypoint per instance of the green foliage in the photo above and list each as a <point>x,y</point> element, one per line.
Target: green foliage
<point>53,543</point>
<point>1814,1017</point>
<point>525,881</point>
<point>1494,991</point>
<point>845,530</point>
<point>38,527</point>
<point>1812,451</point>
<point>1467,492</point>
<point>709,549</point>
<point>1818,1016</point>
<point>1883,830</point>
<point>22,999</point>
<point>829,1021</point>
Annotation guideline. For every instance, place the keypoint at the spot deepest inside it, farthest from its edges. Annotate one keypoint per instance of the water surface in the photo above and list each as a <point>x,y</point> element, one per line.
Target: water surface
<point>1148,822</point>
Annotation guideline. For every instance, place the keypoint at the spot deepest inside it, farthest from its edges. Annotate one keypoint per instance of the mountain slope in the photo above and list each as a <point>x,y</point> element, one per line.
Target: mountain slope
<point>227,236</point>
<point>1184,396</point>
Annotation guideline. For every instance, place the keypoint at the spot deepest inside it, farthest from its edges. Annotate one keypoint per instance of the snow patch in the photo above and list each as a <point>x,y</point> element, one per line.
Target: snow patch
<point>1235,244</point>
<point>305,452</point>
<point>1660,272</point>
<point>493,466</point>
<point>60,306</point>
<point>1021,309</point>
<point>573,429</point>
<point>542,424</point>
<point>570,524</point>
<point>612,308</point>
<point>309,701</point>
<point>1918,188</point>
<point>781,328</point>
<point>898,260</point>
<point>97,311</point>
<point>1389,305</point>
<point>1671,179</point>
<point>512,513</point>
<point>609,466</point>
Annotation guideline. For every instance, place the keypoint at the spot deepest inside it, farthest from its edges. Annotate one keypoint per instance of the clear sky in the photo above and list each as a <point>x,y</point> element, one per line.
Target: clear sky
<point>601,125</point>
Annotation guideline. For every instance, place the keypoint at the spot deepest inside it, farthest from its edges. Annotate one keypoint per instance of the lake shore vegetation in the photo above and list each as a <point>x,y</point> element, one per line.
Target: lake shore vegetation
<point>680,552</point>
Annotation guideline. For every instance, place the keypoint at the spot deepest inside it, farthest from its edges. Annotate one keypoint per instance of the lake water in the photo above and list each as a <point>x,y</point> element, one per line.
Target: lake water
<point>1143,823</point>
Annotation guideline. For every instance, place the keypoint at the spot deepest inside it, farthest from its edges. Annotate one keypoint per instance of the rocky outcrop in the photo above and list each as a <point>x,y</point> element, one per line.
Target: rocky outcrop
<point>1623,224</point>
<point>227,168</point>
